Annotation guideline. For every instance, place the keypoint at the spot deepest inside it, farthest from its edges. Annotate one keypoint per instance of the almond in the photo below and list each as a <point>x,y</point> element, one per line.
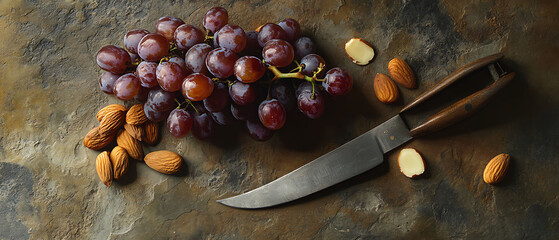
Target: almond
<point>132,146</point>
<point>104,168</point>
<point>164,161</point>
<point>496,169</point>
<point>110,108</point>
<point>401,73</point>
<point>151,133</point>
<point>385,89</point>
<point>136,115</point>
<point>119,161</point>
<point>411,163</point>
<point>111,122</point>
<point>136,131</point>
<point>359,51</point>
<point>95,141</point>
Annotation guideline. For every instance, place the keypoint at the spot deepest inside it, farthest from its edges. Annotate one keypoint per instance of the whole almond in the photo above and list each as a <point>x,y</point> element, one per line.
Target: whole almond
<point>119,160</point>
<point>385,89</point>
<point>401,73</point>
<point>94,140</point>
<point>496,169</point>
<point>132,146</point>
<point>104,168</point>
<point>136,131</point>
<point>111,122</point>
<point>136,115</point>
<point>151,133</point>
<point>110,108</point>
<point>164,161</point>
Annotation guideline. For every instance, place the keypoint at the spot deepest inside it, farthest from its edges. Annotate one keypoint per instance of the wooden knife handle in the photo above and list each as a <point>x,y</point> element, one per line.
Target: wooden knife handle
<point>461,109</point>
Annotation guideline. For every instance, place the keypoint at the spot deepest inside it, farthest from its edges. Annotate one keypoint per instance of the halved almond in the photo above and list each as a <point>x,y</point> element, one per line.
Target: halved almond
<point>359,51</point>
<point>411,163</point>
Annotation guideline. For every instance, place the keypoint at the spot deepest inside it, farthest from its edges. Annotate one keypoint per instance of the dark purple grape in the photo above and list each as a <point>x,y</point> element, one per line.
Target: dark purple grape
<point>292,29</point>
<point>155,116</point>
<point>310,105</point>
<point>197,87</point>
<point>142,95</point>
<point>126,87</point>
<point>132,38</point>
<point>203,126</point>
<point>252,47</point>
<point>245,112</point>
<point>272,114</point>
<point>257,131</point>
<point>146,72</point>
<point>107,82</point>
<point>215,19</point>
<point>310,64</point>
<point>179,122</point>
<point>166,26</point>
<point>278,53</point>
<point>224,117</point>
<point>242,93</point>
<point>180,62</point>
<point>270,31</point>
<point>303,47</point>
<point>195,58</point>
<point>221,62</point>
<point>219,98</point>
<point>284,93</point>
<point>153,47</point>
<point>113,59</point>
<point>187,36</point>
<point>337,82</point>
<point>161,100</point>
<point>232,37</point>
<point>249,69</point>
<point>170,76</point>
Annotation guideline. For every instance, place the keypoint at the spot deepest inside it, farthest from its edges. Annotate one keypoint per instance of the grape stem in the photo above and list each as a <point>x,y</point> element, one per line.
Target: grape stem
<point>298,75</point>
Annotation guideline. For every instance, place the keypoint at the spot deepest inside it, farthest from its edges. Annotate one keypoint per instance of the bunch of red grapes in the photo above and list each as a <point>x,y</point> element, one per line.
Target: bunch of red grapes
<point>195,80</point>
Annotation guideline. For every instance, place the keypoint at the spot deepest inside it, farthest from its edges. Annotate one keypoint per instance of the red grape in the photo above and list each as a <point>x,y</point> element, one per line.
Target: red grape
<point>197,87</point>
<point>215,19</point>
<point>179,122</point>
<point>337,82</point>
<point>166,26</point>
<point>180,62</point>
<point>257,131</point>
<point>107,82</point>
<point>245,112</point>
<point>155,116</point>
<point>272,114</point>
<point>161,100</point>
<point>187,36</point>
<point>270,31</point>
<point>203,126</point>
<point>195,58</point>
<point>219,98</point>
<point>142,95</point>
<point>232,37</point>
<point>221,62</point>
<point>311,106</point>
<point>303,47</point>
<point>170,76</point>
<point>132,38</point>
<point>146,72</point>
<point>292,29</point>
<point>310,64</point>
<point>126,87</point>
<point>242,93</point>
<point>249,69</point>
<point>153,47</point>
<point>284,93</point>
<point>113,59</point>
<point>224,117</point>
<point>278,53</point>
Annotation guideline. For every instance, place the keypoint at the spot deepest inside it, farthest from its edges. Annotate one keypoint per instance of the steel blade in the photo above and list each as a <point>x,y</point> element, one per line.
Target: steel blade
<point>342,163</point>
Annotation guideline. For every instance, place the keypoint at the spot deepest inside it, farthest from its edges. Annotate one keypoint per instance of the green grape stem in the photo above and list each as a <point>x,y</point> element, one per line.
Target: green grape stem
<point>298,75</point>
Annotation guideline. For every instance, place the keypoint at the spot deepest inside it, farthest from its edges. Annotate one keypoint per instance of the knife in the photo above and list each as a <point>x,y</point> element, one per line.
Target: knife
<point>366,151</point>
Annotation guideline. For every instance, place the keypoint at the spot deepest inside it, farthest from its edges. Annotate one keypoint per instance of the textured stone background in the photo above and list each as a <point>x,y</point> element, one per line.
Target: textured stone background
<point>49,96</point>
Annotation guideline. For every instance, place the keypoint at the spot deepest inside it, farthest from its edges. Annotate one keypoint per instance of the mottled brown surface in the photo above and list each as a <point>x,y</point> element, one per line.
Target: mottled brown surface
<point>49,97</point>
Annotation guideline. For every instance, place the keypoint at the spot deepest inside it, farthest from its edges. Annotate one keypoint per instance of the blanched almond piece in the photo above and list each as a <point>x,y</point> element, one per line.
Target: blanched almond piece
<point>411,163</point>
<point>359,51</point>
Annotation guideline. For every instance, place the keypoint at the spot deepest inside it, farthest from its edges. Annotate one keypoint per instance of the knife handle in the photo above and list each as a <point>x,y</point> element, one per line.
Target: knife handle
<point>461,109</point>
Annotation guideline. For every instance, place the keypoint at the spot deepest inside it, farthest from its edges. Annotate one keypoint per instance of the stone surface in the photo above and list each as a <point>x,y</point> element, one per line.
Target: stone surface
<point>49,97</point>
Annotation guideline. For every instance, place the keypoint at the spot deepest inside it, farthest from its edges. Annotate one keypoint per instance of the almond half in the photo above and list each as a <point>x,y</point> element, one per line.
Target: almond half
<point>496,169</point>
<point>359,51</point>
<point>411,163</point>
<point>385,89</point>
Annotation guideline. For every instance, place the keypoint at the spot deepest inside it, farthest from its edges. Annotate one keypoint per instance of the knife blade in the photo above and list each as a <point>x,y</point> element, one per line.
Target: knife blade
<point>351,159</point>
